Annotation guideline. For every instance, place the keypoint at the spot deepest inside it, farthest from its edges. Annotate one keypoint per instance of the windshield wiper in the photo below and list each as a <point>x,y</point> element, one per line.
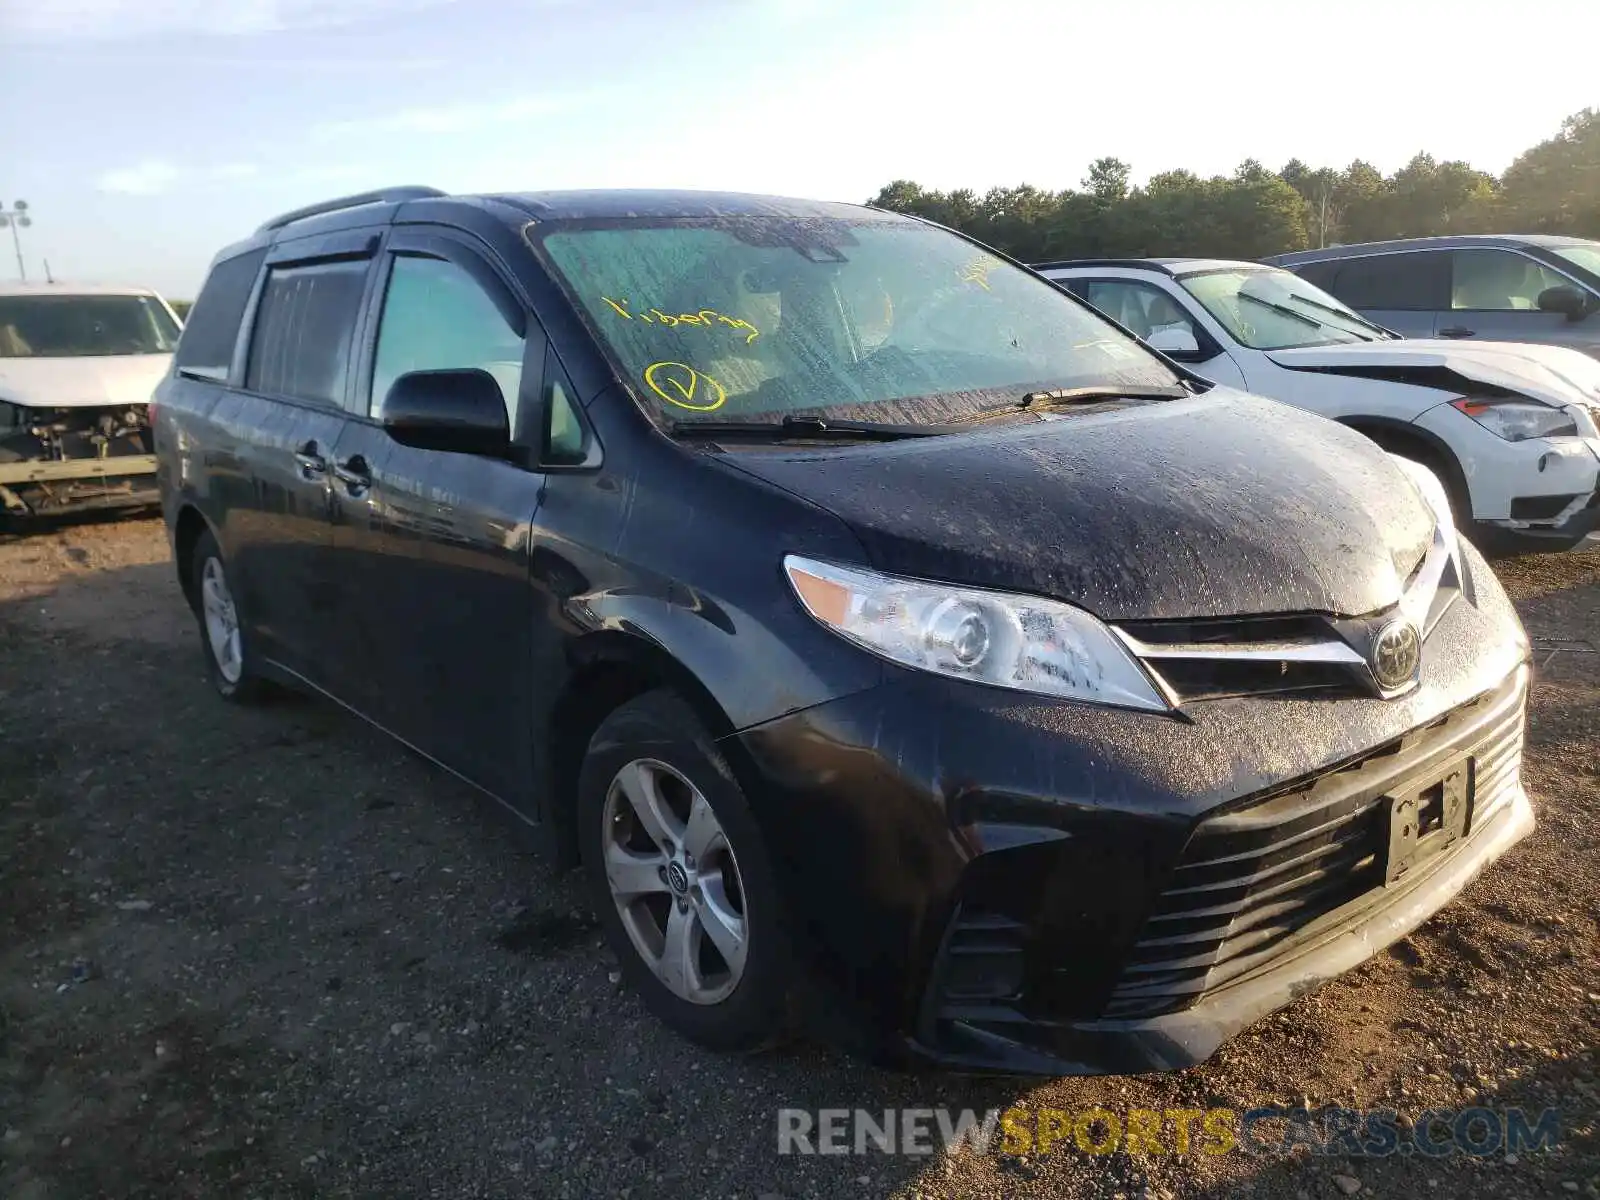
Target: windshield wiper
<point>1303,318</point>
<point>803,427</point>
<point>1341,313</point>
<point>1057,397</point>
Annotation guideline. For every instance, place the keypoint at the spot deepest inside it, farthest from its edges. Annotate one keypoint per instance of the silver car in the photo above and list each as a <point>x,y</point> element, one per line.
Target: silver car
<point>1533,288</point>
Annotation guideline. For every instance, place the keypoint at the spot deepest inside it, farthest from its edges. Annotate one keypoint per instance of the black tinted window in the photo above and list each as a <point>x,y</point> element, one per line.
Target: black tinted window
<point>206,346</point>
<point>1320,274</point>
<point>1419,280</point>
<point>304,328</point>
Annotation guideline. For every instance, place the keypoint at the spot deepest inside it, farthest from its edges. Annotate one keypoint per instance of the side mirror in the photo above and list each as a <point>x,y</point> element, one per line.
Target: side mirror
<point>459,412</point>
<point>1173,341</point>
<point>1565,299</point>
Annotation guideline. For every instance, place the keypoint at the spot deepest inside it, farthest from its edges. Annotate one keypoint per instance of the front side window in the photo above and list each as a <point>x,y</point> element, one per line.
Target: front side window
<point>1269,309</point>
<point>1585,257</point>
<point>1142,307</point>
<point>304,326</point>
<point>1499,281</point>
<point>437,318</point>
<point>69,326</point>
<point>759,317</point>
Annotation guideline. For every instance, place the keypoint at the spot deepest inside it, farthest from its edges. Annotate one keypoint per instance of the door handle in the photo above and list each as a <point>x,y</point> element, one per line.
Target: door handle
<point>310,459</point>
<point>354,474</point>
<point>1457,331</point>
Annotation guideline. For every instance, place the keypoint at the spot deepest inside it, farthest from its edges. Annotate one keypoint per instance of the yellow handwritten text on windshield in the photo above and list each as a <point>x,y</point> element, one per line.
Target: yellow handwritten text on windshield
<point>682,386</point>
<point>977,271</point>
<point>703,318</point>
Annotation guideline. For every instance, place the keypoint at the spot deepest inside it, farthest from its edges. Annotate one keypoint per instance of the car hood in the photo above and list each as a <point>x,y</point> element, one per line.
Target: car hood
<point>1556,375</point>
<point>92,381</point>
<point>1220,505</point>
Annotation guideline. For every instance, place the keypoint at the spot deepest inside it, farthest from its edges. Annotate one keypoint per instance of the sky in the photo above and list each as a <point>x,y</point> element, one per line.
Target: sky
<point>147,134</point>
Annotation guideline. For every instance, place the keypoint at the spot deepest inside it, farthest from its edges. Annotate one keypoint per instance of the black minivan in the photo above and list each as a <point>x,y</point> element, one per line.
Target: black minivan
<point>890,636</point>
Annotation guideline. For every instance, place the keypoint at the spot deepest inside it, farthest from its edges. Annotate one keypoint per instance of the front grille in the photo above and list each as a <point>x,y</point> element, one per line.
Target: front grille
<point>1217,658</point>
<point>1271,874</point>
<point>982,959</point>
<point>1247,656</point>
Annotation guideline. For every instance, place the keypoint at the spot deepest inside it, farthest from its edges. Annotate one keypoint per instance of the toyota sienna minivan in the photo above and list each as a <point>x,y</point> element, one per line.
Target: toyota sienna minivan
<point>891,637</point>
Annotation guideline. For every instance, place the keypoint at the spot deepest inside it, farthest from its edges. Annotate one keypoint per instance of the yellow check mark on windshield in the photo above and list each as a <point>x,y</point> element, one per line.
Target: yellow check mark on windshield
<point>678,384</point>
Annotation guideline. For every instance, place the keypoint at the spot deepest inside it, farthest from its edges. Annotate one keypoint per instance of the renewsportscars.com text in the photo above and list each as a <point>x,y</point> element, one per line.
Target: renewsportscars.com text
<point>1262,1130</point>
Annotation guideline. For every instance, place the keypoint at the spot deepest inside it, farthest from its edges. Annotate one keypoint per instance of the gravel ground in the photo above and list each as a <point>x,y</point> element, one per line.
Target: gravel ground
<point>268,953</point>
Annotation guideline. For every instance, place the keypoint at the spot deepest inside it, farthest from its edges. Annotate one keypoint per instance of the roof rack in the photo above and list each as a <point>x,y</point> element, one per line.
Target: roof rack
<point>392,195</point>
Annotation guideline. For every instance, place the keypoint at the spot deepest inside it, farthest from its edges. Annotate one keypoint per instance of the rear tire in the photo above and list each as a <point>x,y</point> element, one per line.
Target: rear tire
<point>223,640</point>
<point>681,878</point>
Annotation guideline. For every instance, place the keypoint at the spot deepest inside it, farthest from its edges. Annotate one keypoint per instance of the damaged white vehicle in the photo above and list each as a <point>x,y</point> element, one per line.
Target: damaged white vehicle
<point>77,366</point>
<point>1511,429</point>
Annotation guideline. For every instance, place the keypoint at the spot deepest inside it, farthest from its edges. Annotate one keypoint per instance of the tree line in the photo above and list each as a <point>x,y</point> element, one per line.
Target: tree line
<point>1553,187</point>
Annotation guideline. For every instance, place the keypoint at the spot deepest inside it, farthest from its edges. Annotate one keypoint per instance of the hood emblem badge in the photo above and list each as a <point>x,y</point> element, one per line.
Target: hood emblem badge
<point>1396,653</point>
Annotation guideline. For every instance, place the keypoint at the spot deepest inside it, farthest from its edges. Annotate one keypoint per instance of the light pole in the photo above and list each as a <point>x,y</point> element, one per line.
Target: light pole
<point>17,217</point>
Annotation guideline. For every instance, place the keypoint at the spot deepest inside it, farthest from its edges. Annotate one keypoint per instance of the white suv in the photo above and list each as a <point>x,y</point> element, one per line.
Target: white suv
<point>1511,429</point>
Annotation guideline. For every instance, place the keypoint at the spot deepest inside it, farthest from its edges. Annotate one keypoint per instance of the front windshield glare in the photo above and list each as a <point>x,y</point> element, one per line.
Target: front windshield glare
<point>758,318</point>
<point>84,326</point>
<point>1274,310</point>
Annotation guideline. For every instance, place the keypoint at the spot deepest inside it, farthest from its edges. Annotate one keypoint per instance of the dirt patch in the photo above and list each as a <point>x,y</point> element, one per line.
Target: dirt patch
<point>269,953</point>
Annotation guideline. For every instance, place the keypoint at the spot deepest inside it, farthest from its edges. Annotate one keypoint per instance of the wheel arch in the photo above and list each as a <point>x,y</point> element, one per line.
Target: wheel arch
<point>606,670</point>
<point>190,524</point>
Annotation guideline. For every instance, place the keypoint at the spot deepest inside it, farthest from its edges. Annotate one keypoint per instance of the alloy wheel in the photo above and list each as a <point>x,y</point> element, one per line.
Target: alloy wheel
<point>222,621</point>
<point>675,881</point>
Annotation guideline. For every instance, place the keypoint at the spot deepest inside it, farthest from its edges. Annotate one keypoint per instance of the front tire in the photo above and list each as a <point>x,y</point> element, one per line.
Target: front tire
<point>222,637</point>
<point>681,879</point>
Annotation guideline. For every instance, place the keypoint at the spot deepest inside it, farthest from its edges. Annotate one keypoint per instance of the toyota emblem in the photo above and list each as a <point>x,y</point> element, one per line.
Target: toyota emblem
<point>1396,652</point>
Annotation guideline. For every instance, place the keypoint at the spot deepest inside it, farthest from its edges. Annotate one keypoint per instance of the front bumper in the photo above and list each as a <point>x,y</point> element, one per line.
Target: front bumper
<point>974,876</point>
<point>1501,537</point>
<point>1284,955</point>
<point>78,484</point>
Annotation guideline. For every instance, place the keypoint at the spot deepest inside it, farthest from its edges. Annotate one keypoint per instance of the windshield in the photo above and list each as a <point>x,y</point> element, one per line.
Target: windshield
<point>758,318</point>
<point>79,326</point>
<point>1269,309</point>
<point>1587,257</point>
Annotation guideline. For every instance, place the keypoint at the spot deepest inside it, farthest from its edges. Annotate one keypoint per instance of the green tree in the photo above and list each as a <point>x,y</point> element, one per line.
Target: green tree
<point>1555,187</point>
<point>1107,179</point>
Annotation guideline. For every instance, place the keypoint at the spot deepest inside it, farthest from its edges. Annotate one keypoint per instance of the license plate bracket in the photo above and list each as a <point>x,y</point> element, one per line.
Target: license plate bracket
<point>1426,818</point>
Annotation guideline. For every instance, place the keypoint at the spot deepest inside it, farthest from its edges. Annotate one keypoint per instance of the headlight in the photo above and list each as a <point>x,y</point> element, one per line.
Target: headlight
<point>1020,642</point>
<point>1517,420</point>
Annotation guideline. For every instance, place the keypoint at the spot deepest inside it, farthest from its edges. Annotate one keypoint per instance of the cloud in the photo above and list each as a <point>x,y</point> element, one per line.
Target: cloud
<point>155,177</point>
<point>97,20</point>
<point>453,118</point>
<point>146,179</point>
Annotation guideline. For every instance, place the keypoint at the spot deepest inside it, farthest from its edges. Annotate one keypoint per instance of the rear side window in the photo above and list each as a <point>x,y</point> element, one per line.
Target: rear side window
<point>1320,274</point>
<point>205,349</point>
<point>1418,280</point>
<point>304,330</point>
